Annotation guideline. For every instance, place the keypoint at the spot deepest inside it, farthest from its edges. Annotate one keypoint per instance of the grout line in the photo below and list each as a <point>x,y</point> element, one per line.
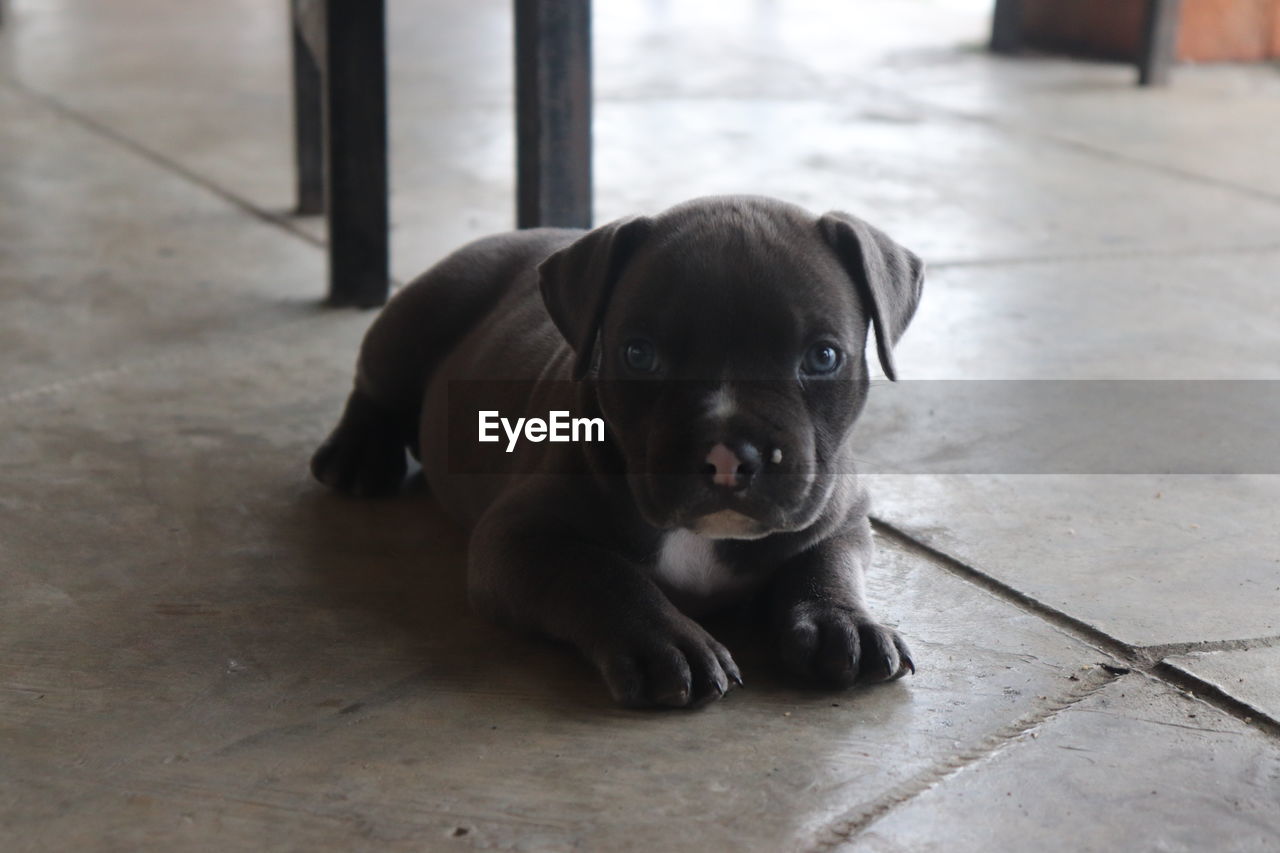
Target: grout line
<point>1148,660</point>
<point>1079,629</point>
<point>279,220</point>
<point>1077,145</point>
<point>991,120</point>
<point>841,830</point>
<point>1164,650</point>
<point>1215,696</point>
<point>1129,159</point>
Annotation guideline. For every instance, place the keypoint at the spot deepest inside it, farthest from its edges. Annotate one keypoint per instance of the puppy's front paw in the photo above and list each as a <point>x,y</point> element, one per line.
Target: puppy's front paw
<point>678,666</point>
<point>838,646</point>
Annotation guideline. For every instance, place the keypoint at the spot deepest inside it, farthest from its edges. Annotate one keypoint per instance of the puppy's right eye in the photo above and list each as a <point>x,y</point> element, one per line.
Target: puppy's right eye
<point>640,355</point>
<point>821,359</point>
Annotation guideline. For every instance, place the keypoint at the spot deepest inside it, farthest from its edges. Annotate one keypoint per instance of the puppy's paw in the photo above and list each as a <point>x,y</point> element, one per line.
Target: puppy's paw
<point>681,666</point>
<point>365,454</point>
<point>839,646</point>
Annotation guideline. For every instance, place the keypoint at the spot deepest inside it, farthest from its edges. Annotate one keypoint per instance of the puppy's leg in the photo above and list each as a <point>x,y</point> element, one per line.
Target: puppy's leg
<point>820,621</point>
<point>537,572</point>
<point>364,455</point>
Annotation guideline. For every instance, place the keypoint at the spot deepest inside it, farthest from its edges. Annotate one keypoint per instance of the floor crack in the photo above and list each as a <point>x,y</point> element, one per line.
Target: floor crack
<point>1080,146</point>
<point>1081,630</point>
<point>283,221</point>
<point>1164,650</point>
<point>1148,660</point>
<point>842,829</point>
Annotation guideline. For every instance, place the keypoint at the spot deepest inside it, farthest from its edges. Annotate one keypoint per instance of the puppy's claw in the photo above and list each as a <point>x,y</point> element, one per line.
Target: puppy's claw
<point>905,661</point>
<point>730,670</point>
<point>707,698</point>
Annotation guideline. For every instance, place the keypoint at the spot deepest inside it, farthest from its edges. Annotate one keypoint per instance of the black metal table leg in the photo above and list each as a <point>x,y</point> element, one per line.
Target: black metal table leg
<point>1159,42</point>
<point>355,99</point>
<point>1006,27</point>
<point>553,113</point>
<point>307,29</point>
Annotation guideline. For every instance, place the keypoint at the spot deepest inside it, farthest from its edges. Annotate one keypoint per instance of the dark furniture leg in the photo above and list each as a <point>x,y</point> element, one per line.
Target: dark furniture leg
<point>355,117</point>
<point>307,28</point>
<point>1006,27</point>
<point>1159,42</point>
<point>553,113</point>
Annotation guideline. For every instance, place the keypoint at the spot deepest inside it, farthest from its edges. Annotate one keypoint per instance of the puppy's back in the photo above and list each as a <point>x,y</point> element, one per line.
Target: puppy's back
<point>429,316</point>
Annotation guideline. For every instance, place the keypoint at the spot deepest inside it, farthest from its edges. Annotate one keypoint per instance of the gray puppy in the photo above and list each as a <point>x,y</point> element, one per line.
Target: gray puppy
<point>722,344</point>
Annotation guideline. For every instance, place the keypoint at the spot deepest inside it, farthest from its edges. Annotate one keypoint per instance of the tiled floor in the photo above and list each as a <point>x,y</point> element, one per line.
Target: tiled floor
<point>202,649</point>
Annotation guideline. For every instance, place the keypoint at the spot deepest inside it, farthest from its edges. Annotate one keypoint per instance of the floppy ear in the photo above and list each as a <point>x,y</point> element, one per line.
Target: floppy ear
<point>578,280</point>
<point>889,278</point>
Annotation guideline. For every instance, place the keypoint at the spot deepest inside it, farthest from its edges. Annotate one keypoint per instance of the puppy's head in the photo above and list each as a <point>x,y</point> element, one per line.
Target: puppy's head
<point>726,341</point>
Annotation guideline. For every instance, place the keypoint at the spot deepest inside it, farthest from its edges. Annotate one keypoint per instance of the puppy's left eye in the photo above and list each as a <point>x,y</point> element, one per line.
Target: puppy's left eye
<point>820,359</point>
<point>640,355</point>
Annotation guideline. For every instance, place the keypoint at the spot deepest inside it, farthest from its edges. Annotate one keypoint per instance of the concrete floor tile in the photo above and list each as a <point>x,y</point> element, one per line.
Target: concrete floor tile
<point>1136,766</point>
<point>1159,316</point>
<point>1148,560</point>
<point>952,190</point>
<point>1250,675</point>
<point>201,646</point>
<point>798,50</point>
<point>448,59</point>
<point>106,258</point>
<point>1210,122</point>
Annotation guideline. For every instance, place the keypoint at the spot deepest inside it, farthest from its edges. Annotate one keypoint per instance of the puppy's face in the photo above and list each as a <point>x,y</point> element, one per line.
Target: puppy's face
<point>730,371</point>
<point>728,361</point>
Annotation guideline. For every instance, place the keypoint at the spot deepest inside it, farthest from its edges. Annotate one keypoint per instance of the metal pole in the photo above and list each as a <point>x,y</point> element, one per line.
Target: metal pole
<point>308,113</point>
<point>1006,27</point>
<point>1159,42</point>
<point>355,83</point>
<point>553,113</point>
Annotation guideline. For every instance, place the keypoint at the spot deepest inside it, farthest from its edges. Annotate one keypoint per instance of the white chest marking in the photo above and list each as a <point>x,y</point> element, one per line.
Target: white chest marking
<point>687,562</point>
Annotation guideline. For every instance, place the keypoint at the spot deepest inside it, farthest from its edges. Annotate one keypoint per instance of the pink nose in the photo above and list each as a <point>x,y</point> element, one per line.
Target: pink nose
<point>726,464</point>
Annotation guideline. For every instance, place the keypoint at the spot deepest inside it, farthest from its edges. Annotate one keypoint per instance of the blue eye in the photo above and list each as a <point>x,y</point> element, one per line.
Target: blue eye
<point>820,359</point>
<point>640,355</point>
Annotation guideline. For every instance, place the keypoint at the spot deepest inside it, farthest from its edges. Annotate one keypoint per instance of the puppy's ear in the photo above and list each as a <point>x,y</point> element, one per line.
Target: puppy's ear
<point>577,283</point>
<point>889,278</point>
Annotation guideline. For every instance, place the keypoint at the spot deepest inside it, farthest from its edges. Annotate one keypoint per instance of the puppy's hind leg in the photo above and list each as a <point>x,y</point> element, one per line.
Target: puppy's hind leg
<point>364,456</point>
